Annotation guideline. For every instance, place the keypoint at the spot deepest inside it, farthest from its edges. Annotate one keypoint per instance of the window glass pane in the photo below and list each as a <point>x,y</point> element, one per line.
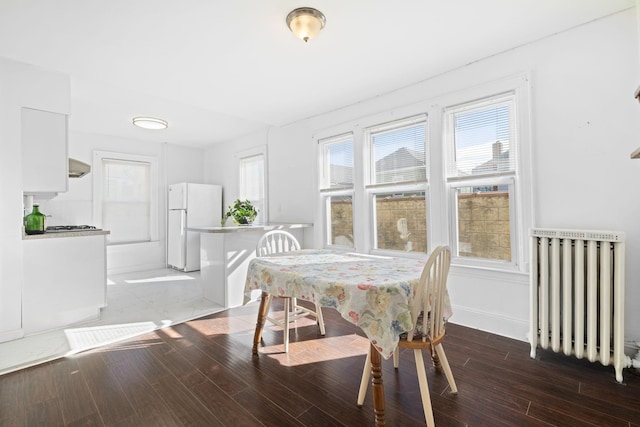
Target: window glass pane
<point>484,229</point>
<point>401,222</point>
<point>340,225</point>
<point>338,162</point>
<point>126,200</point>
<point>398,153</point>
<point>252,182</point>
<point>482,140</point>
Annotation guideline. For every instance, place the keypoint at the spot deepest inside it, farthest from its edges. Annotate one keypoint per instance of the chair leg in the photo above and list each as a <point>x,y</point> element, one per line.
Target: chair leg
<point>285,328</point>
<point>424,388</point>
<point>447,369</point>
<point>320,319</point>
<point>269,299</point>
<point>396,357</point>
<point>364,382</point>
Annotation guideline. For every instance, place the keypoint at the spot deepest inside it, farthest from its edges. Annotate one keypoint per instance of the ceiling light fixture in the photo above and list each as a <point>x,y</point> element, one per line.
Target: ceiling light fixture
<point>305,22</point>
<point>150,123</point>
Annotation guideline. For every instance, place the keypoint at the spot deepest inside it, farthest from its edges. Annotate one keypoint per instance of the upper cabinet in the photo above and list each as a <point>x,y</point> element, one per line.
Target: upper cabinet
<point>44,152</point>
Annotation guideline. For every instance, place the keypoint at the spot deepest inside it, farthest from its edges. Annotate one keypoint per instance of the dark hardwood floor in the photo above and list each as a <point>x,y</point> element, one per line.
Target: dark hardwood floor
<point>201,373</point>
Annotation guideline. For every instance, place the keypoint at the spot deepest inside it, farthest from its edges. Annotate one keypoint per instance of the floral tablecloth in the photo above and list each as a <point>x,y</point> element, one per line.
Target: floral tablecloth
<point>370,291</point>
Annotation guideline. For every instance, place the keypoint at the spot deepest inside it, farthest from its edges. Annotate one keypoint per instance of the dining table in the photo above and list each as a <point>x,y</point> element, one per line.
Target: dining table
<point>370,291</point>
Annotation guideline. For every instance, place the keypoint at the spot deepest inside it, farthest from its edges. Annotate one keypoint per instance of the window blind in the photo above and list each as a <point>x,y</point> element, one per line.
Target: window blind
<point>126,200</point>
<point>481,138</point>
<point>398,151</point>
<point>252,182</point>
<point>338,162</point>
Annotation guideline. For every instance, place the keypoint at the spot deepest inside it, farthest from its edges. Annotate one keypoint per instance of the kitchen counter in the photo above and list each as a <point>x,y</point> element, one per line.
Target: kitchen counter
<point>253,227</point>
<point>225,253</point>
<point>57,234</point>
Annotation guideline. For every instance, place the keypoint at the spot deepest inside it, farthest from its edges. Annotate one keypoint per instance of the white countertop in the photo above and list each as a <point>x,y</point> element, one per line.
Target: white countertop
<point>253,227</point>
<point>55,235</point>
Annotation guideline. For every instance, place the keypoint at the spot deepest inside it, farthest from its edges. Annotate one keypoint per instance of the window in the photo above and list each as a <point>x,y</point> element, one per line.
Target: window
<point>481,174</point>
<point>397,179</point>
<point>125,202</point>
<point>337,189</point>
<point>252,181</point>
<point>448,170</point>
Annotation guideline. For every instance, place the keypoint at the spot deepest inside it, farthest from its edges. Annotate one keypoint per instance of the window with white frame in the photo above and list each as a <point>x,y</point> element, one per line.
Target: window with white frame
<point>125,202</point>
<point>481,146</point>
<point>252,169</point>
<point>396,186</point>
<point>337,189</point>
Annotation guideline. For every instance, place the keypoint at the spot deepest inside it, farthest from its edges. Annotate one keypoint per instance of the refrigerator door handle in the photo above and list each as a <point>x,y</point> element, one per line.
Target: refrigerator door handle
<point>183,231</point>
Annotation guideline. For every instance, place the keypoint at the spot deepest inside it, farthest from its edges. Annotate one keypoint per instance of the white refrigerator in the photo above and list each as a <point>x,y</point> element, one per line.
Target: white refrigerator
<point>190,205</point>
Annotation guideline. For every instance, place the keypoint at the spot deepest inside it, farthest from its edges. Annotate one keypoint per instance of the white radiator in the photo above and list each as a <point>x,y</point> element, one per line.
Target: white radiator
<point>577,295</point>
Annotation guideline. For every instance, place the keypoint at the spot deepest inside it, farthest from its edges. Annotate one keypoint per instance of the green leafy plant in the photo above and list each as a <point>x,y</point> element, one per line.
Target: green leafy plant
<point>242,212</point>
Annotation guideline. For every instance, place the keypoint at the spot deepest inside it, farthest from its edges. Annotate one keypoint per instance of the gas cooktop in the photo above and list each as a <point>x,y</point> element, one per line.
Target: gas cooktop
<point>66,228</point>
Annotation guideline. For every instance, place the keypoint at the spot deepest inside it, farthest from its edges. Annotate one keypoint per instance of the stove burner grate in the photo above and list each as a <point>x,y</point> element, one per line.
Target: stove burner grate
<point>70,228</point>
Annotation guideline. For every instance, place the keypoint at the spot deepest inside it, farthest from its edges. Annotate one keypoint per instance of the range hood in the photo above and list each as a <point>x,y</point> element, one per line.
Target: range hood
<point>78,169</point>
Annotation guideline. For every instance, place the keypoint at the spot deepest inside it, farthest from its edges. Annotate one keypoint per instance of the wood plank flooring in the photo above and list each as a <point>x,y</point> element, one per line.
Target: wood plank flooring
<point>201,373</point>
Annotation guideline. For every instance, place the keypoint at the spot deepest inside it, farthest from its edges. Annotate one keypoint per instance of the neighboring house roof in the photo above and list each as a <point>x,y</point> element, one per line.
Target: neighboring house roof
<point>406,159</point>
<point>341,175</point>
<point>402,157</point>
<point>499,162</point>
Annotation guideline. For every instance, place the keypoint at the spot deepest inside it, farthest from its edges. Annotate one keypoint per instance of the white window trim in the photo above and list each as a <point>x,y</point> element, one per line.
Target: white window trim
<point>453,224</point>
<point>263,216</point>
<point>371,189</point>
<point>406,187</point>
<point>326,231</point>
<point>324,168</point>
<point>519,85</point>
<point>326,191</point>
<point>385,127</point>
<point>96,169</point>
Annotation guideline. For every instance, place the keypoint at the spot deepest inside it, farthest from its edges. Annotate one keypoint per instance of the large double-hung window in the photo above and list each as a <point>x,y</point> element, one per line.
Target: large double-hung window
<point>337,189</point>
<point>397,184</point>
<point>481,143</point>
<point>125,201</point>
<point>252,171</point>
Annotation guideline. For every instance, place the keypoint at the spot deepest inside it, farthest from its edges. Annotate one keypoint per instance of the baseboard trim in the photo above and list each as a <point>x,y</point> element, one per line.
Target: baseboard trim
<point>490,322</point>
<point>11,335</point>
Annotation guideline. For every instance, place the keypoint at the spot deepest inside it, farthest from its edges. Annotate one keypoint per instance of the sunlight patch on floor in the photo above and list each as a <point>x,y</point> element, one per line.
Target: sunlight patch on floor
<point>169,278</point>
<point>84,338</point>
<point>224,325</point>
<point>327,348</point>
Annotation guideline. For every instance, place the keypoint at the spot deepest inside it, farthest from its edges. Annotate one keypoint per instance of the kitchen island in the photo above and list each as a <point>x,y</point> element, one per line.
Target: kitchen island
<point>64,279</point>
<point>225,253</point>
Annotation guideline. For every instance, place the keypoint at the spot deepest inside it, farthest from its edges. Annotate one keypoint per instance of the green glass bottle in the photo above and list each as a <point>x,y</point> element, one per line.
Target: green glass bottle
<point>34,222</point>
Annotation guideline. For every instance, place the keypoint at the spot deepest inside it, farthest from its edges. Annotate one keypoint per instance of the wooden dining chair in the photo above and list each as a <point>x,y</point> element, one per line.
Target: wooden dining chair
<point>279,241</point>
<point>429,330</point>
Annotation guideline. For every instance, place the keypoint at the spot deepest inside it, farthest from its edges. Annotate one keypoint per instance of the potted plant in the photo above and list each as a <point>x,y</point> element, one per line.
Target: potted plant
<point>242,212</point>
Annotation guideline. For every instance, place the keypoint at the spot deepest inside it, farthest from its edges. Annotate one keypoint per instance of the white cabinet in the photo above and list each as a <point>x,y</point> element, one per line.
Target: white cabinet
<point>64,281</point>
<point>45,161</point>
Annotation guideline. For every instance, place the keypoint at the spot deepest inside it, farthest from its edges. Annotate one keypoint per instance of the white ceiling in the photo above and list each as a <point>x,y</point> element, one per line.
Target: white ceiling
<point>217,69</point>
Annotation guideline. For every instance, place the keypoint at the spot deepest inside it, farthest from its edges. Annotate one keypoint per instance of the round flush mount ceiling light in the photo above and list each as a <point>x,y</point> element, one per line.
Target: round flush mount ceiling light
<point>150,123</point>
<point>305,22</point>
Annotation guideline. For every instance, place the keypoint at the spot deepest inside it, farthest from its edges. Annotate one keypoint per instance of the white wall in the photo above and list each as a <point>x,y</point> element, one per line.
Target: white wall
<point>221,164</point>
<point>585,123</point>
<point>21,85</point>
<point>290,166</point>
<point>183,164</point>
